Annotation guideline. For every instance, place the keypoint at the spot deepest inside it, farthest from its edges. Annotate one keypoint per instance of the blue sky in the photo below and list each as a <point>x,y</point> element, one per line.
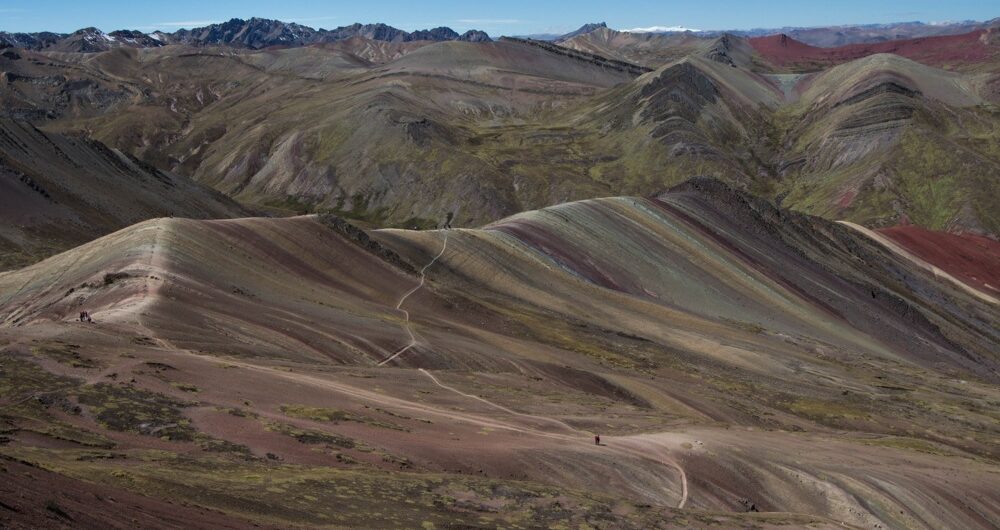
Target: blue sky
<point>509,17</point>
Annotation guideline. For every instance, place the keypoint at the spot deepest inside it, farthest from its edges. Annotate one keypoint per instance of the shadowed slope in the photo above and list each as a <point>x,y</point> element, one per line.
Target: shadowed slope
<point>58,191</point>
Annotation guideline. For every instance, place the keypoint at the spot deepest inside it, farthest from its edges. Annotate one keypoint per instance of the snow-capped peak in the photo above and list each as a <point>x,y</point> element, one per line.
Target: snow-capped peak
<point>660,29</point>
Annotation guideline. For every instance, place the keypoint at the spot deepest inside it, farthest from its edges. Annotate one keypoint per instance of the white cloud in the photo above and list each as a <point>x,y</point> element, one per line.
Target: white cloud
<point>489,21</point>
<point>660,29</point>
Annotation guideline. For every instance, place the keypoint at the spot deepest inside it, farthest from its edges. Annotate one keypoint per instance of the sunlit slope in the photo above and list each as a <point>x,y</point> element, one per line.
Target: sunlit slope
<point>883,140</point>
<point>396,135</point>
<point>263,287</point>
<point>704,257</point>
<point>648,49</point>
<point>702,330</point>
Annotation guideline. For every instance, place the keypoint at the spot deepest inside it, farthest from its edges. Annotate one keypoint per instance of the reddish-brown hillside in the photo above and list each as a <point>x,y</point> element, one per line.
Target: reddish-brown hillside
<point>970,258</point>
<point>943,51</point>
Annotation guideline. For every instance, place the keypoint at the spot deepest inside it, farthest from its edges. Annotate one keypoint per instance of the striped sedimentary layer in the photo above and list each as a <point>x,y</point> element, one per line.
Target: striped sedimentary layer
<point>775,358</point>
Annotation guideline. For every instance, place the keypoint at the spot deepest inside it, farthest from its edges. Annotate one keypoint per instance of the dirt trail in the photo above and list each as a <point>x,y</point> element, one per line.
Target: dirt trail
<point>636,447</point>
<point>406,314</point>
<point>933,269</point>
<point>560,423</point>
<point>23,310</point>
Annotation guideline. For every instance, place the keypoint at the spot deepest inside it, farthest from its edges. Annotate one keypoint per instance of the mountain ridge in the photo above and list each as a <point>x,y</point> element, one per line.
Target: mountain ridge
<point>252,33</point>
<point>256,33</point>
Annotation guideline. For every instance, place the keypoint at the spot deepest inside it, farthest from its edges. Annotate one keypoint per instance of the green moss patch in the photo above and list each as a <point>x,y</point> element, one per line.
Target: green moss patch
<point>68,354</point>
<point>335,416</point>
<point>130,409</point>
<point>309,436</point>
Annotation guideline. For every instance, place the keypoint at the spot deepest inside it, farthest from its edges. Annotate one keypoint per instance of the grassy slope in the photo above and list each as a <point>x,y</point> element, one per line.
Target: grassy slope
<point>490,130</point>
<point>882,157</point>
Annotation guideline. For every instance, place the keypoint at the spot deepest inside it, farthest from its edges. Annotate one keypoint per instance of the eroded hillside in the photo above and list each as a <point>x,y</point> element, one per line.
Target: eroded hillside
<point>399,133</point>
<point>728,353</point>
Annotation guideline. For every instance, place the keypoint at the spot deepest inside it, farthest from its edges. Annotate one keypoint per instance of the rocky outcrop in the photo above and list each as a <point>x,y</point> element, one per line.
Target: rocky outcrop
<point>29,41</point>
<point>584,29</point>
<point>475,35</point>
<point>254,33</point>
<point>361,238</point>
<point>591,58</point>
<point>436,34</point>
<point>380,32</point>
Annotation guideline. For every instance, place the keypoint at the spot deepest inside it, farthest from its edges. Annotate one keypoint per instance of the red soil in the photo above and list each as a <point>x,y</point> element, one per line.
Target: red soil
<point>973,259</point>
<point>967,48</point>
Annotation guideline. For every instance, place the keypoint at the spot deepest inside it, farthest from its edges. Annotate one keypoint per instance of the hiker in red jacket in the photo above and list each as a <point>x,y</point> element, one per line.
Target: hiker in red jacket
<point>597,439</point>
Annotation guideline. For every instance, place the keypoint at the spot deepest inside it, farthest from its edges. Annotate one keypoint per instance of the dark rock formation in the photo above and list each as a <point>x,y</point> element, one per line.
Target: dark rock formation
<point>584,29</point>
<point>591,58</point>
<point>255,33</point>
<point>360,238</point>
<point>475,35</point>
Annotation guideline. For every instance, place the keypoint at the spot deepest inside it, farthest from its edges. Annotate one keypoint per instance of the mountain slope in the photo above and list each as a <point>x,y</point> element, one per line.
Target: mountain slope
<point>728,353</point>
<point>355,145</point>
<point>883,140</point>
<point>648,49</point>
<point>59,191</point>
<point>832,37</point>
<point>584,29</point>
<point>963,51</point>
<point>401,133</point>
<point>974,260</point>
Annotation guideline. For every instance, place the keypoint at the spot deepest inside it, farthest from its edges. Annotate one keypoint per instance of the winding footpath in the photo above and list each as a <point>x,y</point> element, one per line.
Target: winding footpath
<point>406,314</point>
<point>641,450</point>
<point>560,423</point>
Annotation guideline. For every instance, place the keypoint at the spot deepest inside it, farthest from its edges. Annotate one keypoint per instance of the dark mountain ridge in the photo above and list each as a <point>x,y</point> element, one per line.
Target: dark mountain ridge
<point>254,33</point>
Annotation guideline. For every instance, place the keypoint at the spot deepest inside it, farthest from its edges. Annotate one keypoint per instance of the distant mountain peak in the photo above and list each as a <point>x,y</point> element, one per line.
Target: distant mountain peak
<point>583,30</point>
<point>475,35</point>
<point>258,33</point>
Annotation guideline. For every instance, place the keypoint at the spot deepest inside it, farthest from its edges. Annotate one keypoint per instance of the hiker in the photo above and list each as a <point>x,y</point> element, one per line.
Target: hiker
<point>447,220</point>
<point>597,439</point>
<point>83,316</point>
